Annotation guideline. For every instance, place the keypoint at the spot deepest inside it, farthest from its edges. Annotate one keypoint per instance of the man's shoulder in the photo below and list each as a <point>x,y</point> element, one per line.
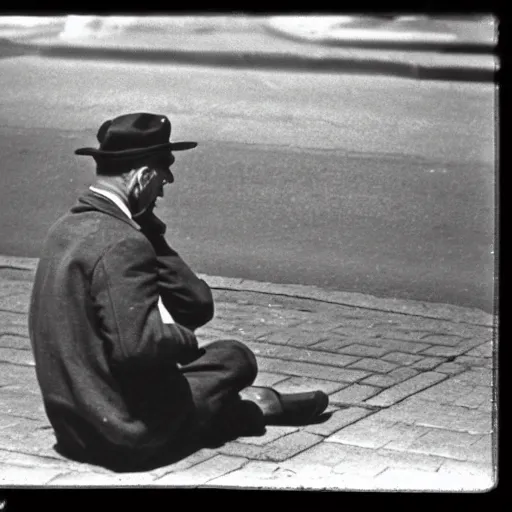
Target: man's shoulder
<point>93,234</point>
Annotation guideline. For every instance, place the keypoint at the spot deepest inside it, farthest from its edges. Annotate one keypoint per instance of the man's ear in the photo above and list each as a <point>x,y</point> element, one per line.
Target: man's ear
<point>136,180</point>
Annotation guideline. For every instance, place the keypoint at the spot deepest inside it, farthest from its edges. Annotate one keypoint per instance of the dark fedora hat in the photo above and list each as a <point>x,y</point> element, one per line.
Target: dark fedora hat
<point>134,135</point>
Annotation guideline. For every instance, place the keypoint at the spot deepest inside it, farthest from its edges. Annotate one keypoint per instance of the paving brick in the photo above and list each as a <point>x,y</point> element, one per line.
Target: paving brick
<point>9,320</point>
<point>402,480</point>
<point>488,407</point>
<point>354,394</point>
<point>314,326</point>
<point>484,470</point>
<point>16,303</point>
<point>272,433</point>
<point>359,461</point>
<point>443,351</point>
<point>321,455</point>
<point>447,392</point>
<point>332,344</point>
<point>16,403</point>
<point>436,415</point>
<point>445,443</point>
<point>384,458</point>
<point>290,445</point>
<point>295,338</point>
<point>22,387</point>
<point>442,339</point>
<point>382,381</point>
<point>371,432</point>
<point>368,468</point>
<point>38,440</point>
<point>450,368</point>
<point>346,321</point>
<point>254,332</point>
<point>7,421</point>
<point>484,350</point>
<point>353,331</point>
<point>477,376</point>
<point>409,434</point>
<point>363,350</point>
<point>269,379</point>
<point>474,398</point>
<point>428,363</point>
<point>484,450</point>
<point>10,286</point>
<point>15,330</point>
<point>38,461</point>
<point>302,369</point>
<point>237,449</point>
<point>373,365</point>
<point>11,475</point>
<point>410,347</point>
<point>275,320</point>
<point>254,474</point>
<point>338,420</point>
<point>16,374</point>
<point>301,384</point>
<point>401,358</point>
<point>17,342</point>
<point>402,334</point>
<point>409,387</point>
<point>15,356</point>
<point>300,354</point>
<point>474,362</point>
<point>403,373</point>
<point>202,472</point>
<point>407,460</point>
<point>187,462</point>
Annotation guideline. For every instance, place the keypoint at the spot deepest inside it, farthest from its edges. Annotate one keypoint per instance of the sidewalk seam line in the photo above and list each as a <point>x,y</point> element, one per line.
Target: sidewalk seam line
<point>230,471</point>
<point>157,477</point>
<point>321,440</point>
<point>412,394</point>
<point>308,361</point>
<point>34,455</point>
<point>323,377</point>
<point>17,364</point>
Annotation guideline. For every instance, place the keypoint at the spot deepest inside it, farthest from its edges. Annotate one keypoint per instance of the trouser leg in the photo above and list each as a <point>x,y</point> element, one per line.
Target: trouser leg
<point>216,379</point>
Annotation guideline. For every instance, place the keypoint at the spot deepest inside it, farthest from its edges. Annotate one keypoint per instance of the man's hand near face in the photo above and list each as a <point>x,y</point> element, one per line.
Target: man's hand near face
<point>187,298</point>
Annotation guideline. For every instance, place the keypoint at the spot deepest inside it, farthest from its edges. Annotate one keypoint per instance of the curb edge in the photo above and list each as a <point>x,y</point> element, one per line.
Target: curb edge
<point>432,310</point>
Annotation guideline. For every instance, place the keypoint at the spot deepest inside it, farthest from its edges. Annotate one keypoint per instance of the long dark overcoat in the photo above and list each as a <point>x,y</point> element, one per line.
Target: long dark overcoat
<point>106,363</point>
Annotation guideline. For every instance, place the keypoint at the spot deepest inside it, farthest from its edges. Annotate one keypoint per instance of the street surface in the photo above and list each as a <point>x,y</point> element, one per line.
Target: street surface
<point>376,185</point>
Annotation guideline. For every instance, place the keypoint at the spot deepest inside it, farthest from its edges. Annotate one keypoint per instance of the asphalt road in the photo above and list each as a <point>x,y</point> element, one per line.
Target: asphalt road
<point>369,184</point>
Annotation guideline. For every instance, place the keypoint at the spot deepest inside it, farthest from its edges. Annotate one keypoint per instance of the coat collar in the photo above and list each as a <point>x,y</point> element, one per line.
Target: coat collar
<point>92,201</point>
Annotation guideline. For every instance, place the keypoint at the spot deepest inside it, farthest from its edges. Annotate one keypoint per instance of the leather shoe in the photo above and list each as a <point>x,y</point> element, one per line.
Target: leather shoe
<point>287,409</point>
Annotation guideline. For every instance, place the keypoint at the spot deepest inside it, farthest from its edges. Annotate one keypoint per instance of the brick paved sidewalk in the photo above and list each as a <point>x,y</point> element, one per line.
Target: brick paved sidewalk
<point>411,388</point>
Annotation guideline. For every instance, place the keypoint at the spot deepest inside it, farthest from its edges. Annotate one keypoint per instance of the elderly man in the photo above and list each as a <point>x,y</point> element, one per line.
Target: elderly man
<point>112,319</point>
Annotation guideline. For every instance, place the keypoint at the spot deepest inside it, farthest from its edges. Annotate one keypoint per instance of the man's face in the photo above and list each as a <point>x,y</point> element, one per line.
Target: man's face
<point>164,174</point>
<point>148,183</point>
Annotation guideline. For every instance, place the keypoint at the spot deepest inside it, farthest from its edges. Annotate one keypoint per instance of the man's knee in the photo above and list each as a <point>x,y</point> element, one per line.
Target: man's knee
<point>239,360</point>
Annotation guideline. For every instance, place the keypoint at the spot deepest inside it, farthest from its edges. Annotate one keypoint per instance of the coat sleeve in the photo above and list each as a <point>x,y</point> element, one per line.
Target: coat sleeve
<point>188,299</point>
<point>125,292</point>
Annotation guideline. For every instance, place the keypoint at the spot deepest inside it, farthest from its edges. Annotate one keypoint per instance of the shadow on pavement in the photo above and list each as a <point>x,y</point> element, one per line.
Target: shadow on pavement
<point>172,456</point>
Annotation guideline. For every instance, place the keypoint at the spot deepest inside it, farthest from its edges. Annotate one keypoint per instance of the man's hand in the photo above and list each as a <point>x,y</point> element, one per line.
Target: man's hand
<point>150,224</point>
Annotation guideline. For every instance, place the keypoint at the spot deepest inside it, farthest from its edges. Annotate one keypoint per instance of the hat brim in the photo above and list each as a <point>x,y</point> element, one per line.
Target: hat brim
<point>126,153</point>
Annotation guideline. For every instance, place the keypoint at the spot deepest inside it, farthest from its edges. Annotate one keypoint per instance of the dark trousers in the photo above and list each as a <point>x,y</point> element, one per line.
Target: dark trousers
<point>211,395</point>
<point>216,379</point>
